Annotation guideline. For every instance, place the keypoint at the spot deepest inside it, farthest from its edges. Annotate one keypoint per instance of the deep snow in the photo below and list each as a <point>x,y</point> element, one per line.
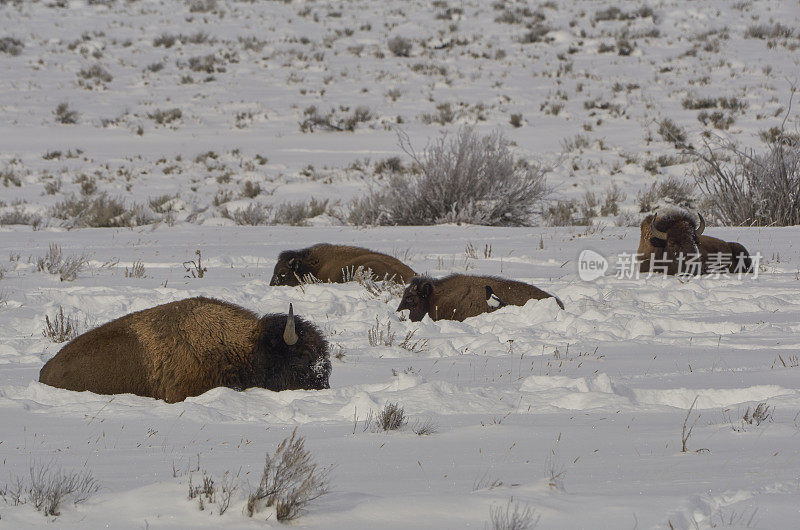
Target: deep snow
<point>604,385</point>
<point>598,391</point>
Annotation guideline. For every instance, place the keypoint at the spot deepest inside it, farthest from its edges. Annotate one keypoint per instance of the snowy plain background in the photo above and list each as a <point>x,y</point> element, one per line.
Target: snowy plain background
<point>599,390</point>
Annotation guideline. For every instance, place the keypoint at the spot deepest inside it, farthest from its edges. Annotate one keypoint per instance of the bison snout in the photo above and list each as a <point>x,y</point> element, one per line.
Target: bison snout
<point>405,314</point>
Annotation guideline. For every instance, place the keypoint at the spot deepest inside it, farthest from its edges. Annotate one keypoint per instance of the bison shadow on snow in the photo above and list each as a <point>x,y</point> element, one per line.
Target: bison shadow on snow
<point>185,348</point>
<point>460,296</point>
<point>330,263</point>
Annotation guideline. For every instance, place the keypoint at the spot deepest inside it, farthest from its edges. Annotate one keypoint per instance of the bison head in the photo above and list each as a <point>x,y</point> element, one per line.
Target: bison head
<point>417,298</point>
<point>674,234</point>
<point>289,270</point>
<point>294,353</point>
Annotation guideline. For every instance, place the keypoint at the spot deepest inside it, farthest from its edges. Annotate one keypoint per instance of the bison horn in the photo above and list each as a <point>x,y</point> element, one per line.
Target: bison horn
<point>289,334</point>
<point>655,232</point>
<point>702,225</point>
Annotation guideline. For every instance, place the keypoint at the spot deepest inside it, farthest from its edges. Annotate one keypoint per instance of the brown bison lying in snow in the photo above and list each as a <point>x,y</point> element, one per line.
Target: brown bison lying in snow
<point>459,296</point>
<point>328,263</point>
<point>185,348</point>
<point>671,242</point>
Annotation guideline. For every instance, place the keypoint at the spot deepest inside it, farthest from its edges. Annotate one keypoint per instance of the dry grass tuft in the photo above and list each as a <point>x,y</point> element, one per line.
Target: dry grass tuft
<point>381,335</point>
<point>61,328</point>
<point>391,417</point>
<point>54,262</point>
<point>48,487</point>
<point>513,517</point>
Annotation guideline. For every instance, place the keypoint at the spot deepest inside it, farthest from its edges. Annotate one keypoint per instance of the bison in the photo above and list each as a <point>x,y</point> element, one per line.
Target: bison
<point>459,296</point>
<point>184,348</point>
<point>671,243</point>
<point>329,263</point>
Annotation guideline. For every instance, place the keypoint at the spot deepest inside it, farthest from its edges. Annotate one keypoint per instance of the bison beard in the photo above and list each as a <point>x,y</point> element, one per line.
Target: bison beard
<point>186,348</point>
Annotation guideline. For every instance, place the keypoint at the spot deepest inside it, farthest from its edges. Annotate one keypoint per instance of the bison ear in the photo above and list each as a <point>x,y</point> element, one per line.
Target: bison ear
<point>425,290</point>
<point>660,243</point>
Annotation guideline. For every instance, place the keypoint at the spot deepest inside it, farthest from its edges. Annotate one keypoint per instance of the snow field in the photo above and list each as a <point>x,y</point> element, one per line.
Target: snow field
<point>599,391</point>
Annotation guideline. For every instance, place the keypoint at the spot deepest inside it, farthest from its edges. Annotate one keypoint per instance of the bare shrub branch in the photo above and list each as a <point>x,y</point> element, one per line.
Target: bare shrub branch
<point>54,262</point>
<point>425,428</point>
<point>295,214</point>
<point>290,480</point>
<point>49,486</point>
<point>227,489</point>
<point>486,482</point>
<point>387,287</point>
<point>554,471</point>
<point>761,413</point>
<point>381,337</point>
<point>100,211</point>
<point>513,517</point>
<point>136,271</point>
<point>391,417</point>
<point>747,188</point>
<point>61,328</point>
<point>414,346</point>
<point>195,269</point>
<point>464,179</point>
<point>686,433</point>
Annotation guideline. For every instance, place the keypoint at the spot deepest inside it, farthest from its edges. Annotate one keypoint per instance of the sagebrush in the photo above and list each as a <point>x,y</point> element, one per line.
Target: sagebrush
<point>513,517</point>
<point>290,480</point>
<point>463,179</point>
<point>54,262</point>
<point>749,188</point>
<point>48,486</point>
<point>62,328</point>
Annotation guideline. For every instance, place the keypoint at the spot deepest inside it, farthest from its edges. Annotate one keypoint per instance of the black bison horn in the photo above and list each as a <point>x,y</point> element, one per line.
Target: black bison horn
<point>654,231</point>
<point>702,225</point>
<point>289,334</point>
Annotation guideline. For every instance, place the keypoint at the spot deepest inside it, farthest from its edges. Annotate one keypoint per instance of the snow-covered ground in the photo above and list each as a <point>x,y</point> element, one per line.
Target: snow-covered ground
<point>576,414</point>
<point>599,391</point>
<point>197,98</point>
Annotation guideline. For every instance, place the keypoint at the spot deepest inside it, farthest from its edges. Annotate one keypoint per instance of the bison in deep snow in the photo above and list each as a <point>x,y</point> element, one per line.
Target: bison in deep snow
<point>185,348</point>
<point>671,242</point>
<point>328,263</point>
<point>459,296</point>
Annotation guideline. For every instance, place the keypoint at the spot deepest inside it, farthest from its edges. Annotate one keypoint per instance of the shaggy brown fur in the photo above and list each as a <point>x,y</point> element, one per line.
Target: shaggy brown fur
<point>684,240</point>
<point>326,263</point>
<point>185,348</point>
<point>459,296</point>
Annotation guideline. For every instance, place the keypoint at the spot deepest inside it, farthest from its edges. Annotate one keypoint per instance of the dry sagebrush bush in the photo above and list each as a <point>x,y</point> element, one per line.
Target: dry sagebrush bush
<point>48,486</point>
<point>463,179</point>
<point>54,262</point>
<point>290,480</point>
<point>748,188</point>
<point>61,328</point>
